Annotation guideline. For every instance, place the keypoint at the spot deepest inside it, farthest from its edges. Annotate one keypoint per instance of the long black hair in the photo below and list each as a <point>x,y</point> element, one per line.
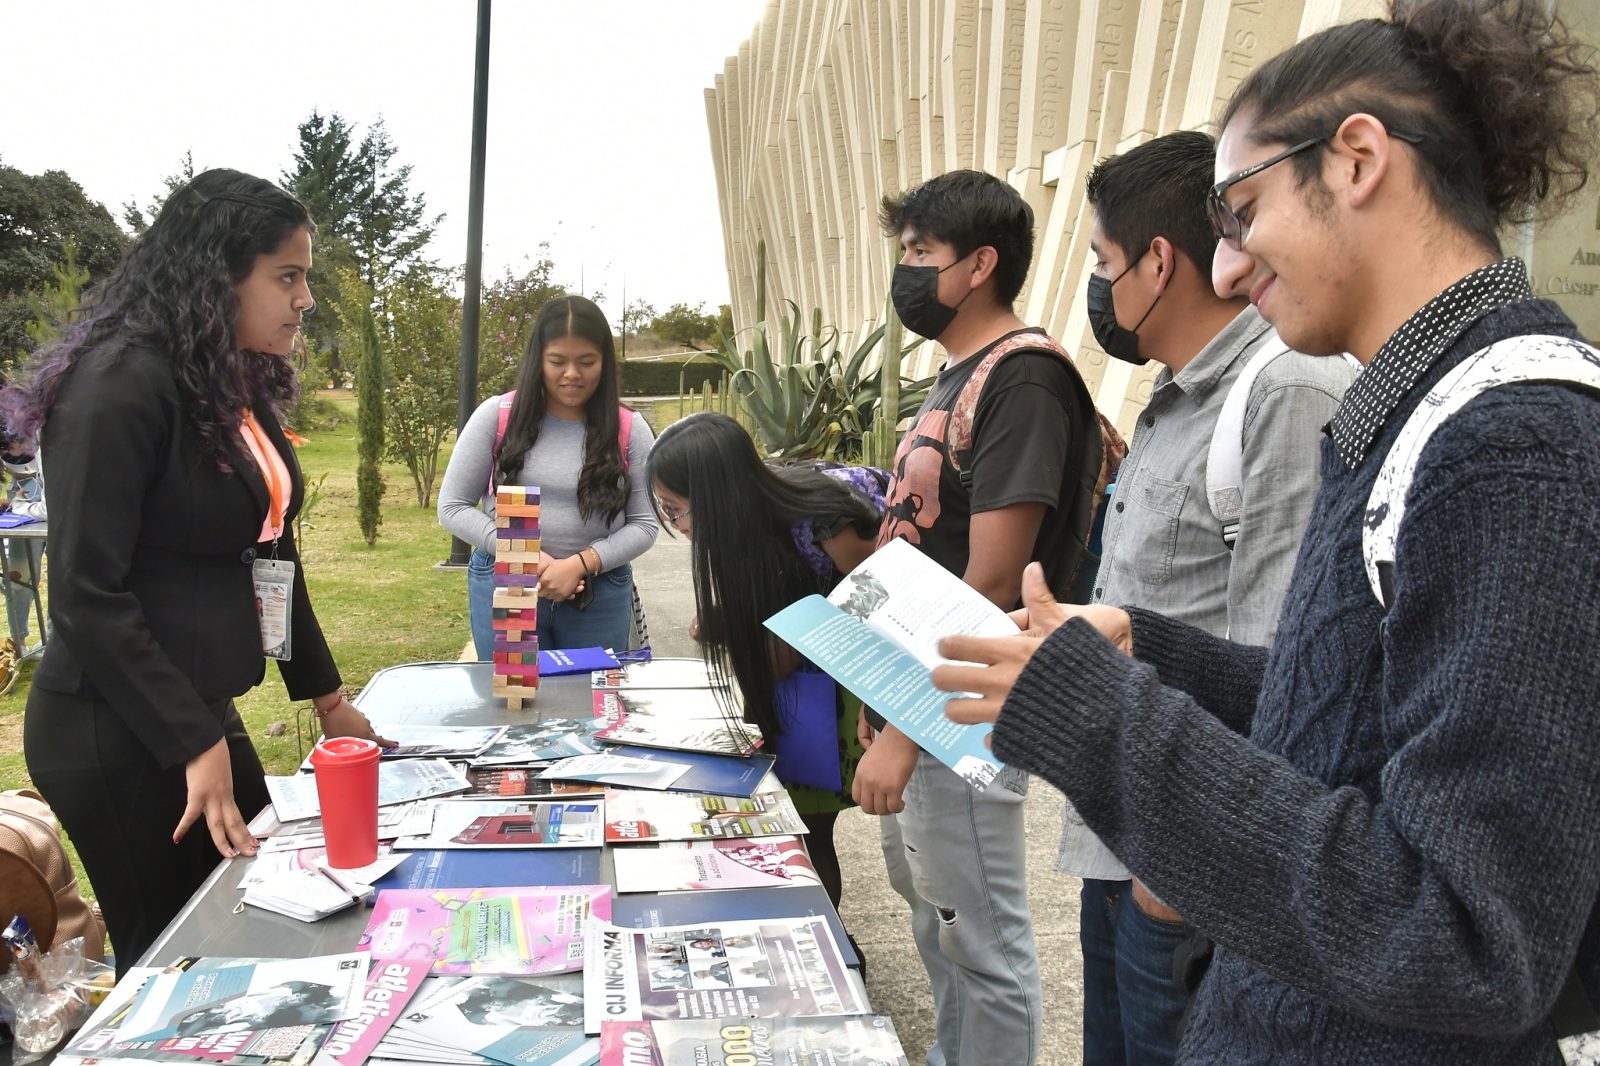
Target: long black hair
<point>602,486</point>
<point>1501,95</point>
<point>746,564</point>
<point>174,292</point>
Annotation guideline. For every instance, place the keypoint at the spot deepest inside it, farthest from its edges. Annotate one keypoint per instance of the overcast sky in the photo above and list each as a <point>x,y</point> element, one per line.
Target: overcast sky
<point>597,124</point>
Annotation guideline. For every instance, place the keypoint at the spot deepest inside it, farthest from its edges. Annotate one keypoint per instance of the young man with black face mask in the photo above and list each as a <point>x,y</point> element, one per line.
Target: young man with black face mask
<point>1000,467</point>
<point>1183,537</point>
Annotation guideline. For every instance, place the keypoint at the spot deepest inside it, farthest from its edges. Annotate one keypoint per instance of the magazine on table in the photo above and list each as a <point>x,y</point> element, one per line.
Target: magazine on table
<point>268,865</point>
<point>504,824</point>
<point>391,984</point>
<point>613,769</point>
<point>877,634</point>
<point>639,817</point>
<point>652,910</point>
<point>173,1007</point>
<point>857,1040</point>
<point>294,798</point>
<point>520,1021</point>
<point>514,782</point>
<point>657,673</point>
<point>687,719</point>
<point>682,866</point>
<point>785,967</point>
<point>466,869</point>
<point>717,775</point>
<point>558,662</point>
<point>552,738</point>
<point>486,930</point>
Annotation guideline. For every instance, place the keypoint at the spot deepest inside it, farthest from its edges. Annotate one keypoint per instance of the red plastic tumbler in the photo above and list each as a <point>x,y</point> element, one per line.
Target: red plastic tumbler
<point>347,788</point>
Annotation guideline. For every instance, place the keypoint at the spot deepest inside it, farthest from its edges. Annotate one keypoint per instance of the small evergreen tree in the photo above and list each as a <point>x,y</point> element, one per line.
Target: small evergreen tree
<point>369,430</point>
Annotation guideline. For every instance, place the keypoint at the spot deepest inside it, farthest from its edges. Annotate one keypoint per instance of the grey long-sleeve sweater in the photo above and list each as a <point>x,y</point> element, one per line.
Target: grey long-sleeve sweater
<point>553,463</point>
<point>1391,826</point>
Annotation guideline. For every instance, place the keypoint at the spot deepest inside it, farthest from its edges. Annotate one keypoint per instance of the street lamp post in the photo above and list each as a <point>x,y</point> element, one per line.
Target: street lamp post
<point>467,395</point>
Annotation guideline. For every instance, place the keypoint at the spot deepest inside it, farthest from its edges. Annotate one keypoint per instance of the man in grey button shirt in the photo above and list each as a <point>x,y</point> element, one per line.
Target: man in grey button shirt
<point>1150,298</point>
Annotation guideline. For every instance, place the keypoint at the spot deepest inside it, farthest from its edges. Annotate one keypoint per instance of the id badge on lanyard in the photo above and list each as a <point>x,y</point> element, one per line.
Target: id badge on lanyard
<point>274,581</point>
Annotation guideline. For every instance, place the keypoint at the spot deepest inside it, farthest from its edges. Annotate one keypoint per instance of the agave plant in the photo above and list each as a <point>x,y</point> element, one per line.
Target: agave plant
<point>806,396</point>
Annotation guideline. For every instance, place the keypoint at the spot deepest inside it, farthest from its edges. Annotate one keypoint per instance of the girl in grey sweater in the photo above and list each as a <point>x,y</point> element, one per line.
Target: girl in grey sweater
<point>562,432</point>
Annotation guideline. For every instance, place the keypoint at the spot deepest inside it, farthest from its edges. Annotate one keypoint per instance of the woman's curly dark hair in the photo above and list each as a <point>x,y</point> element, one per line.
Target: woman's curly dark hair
<point>602,485</point>
<point>174,292</point>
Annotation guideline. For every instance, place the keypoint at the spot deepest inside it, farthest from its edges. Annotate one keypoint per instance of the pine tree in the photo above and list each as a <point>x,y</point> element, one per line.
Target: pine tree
<point>369,430</point>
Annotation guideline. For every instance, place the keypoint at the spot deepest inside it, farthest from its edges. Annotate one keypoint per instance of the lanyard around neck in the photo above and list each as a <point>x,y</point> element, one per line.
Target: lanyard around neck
<point>273,471</point>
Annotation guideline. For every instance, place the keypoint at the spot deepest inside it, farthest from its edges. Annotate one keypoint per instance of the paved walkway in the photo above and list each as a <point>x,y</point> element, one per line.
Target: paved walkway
<point>875,914</point>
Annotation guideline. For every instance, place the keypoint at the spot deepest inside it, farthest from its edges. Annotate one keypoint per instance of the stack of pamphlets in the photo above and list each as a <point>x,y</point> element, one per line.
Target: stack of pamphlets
<point>484,823</point>
<point>519,1021</point>
<point>781,967</point>
<point>551,738</point>
<point>439,742</point>
<point>487,930</point>
<point>686,719</point>
<point>638,817</point>
<point>687,866</point>
<point>860,1040</point>
<point>613,769</point>
<point>248,1012</point>
<point>294,798</point>
<point>524,782</point>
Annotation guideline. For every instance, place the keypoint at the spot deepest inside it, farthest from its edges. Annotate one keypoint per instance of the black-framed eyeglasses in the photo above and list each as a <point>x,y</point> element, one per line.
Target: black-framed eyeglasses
<point>1225,223</point>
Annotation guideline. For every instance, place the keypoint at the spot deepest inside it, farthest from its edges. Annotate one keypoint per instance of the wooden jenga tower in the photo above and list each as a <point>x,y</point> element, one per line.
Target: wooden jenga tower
<point>516,590</point>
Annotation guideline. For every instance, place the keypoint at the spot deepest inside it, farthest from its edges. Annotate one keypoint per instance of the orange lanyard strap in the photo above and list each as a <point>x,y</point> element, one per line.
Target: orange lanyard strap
<point>273,471</point>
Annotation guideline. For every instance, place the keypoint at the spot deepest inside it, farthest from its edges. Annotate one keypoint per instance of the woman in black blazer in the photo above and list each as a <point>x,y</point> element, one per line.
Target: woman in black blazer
<point>171,484</point>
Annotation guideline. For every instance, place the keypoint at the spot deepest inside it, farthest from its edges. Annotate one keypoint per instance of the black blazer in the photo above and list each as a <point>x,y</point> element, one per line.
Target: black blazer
<point>150,549</point>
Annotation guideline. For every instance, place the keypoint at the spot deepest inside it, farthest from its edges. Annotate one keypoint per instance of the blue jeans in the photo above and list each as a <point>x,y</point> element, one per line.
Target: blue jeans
<point>604,624</point>
<point>956,857</point>
<point>1132,1004</point>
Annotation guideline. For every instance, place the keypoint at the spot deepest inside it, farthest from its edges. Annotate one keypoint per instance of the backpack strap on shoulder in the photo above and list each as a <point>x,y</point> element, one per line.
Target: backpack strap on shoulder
<point>958,434</point>
<point>1511,361</point>
<point>1225,460</point>
<point>624,432</point>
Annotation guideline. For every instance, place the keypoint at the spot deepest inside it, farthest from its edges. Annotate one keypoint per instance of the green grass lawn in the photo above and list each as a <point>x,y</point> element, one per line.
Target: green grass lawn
<point>378,606</point>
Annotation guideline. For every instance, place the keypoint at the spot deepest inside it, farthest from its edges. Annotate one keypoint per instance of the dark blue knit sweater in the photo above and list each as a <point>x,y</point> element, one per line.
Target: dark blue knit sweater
<point>1391,827</point>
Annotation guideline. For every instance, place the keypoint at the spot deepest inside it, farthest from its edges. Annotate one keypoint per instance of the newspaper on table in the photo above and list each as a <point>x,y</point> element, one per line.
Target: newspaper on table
<point>877,634</point>
<point>552,738</point>
<point>778,967</point>
<point>294,798</point>
<point>487,930</point>
<point>860,1040</point>
<point>682,866</point>
<point>520,1021</point>
<point>503,824</point>
<point>640,817</point>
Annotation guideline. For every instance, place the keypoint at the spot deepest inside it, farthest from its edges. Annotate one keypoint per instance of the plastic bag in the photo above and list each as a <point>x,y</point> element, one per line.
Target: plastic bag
<point>42,1010</point>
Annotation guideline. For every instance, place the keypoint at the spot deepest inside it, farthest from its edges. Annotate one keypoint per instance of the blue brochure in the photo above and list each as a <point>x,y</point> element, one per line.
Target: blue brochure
<point>559,661</point>
<point>877,635</point>
<point>713,775</point>
<point>495,867</point>
<point>651,910</point>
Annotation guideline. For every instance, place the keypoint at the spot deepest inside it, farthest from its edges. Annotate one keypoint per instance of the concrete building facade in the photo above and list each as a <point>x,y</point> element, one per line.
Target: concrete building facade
<point>832,103</point>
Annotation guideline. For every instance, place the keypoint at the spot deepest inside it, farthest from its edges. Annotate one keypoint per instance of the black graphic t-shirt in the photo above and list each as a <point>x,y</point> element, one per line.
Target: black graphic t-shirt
<point>1021,432</point>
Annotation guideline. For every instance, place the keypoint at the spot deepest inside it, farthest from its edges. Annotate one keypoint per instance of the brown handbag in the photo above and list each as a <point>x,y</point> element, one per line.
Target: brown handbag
<point>37,880</point>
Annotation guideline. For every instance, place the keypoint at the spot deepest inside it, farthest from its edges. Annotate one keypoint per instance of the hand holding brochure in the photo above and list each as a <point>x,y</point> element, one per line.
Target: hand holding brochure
<point>877,634</point>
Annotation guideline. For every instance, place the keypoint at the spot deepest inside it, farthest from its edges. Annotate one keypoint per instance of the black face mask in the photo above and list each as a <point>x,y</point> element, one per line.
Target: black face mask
<point>1115,341</point>
<point>915,292</point>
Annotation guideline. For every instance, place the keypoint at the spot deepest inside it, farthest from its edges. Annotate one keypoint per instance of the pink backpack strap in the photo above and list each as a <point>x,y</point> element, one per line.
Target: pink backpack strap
<point>958,437</point>
<point>624,432</point>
